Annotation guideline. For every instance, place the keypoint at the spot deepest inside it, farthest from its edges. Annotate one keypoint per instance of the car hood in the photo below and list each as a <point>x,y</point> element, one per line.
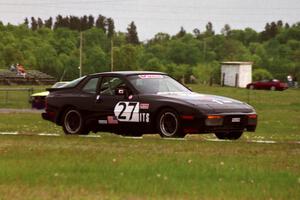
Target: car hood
<point>218,104</point>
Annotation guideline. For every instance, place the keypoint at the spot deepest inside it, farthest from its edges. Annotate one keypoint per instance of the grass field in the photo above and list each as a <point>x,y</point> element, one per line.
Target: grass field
<point>111,167</point>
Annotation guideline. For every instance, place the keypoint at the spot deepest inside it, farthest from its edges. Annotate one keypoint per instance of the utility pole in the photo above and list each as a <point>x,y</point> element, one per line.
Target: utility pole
<point>80,56</point>
<point>112,54</point>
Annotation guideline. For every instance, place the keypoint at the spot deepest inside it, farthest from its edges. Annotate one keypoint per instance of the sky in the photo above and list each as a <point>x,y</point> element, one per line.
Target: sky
<point>156,16</point>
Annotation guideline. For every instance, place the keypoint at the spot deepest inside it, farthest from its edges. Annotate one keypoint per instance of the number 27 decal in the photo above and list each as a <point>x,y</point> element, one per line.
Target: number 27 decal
<point>130,112</point>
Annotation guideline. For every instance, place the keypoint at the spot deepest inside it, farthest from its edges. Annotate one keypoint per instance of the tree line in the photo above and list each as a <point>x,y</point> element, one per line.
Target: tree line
<point>52,46</point>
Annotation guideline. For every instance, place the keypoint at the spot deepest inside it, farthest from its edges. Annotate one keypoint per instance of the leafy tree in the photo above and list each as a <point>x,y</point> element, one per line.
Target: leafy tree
<point>209,29</point>
<point>226,30</point>
<point>261,74</point>
<point>126,57</point>
<point>197,33</point>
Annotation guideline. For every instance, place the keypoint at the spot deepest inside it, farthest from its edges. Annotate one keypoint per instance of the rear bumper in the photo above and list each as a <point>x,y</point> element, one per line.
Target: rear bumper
<point>49,116</point>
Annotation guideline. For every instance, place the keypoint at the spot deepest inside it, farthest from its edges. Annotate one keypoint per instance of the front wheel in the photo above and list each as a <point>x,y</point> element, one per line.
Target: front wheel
<point>73,123</point>
<point>251,87</point>
<point>273,88</point>
<point>229,135</point>
<point>168,124</point>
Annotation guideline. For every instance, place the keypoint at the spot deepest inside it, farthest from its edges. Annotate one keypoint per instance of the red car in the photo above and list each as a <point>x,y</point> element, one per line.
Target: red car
<point>272,84</point>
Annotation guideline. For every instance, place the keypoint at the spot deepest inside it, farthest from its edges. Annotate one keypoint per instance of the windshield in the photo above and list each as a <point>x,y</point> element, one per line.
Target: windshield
<point>156,83</point>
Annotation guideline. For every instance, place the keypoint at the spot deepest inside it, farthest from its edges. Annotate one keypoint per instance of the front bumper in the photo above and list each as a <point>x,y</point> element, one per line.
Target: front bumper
<point>228,123</point>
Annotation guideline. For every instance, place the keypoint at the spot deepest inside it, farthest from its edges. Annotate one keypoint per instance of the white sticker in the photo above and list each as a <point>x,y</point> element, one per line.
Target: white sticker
<point>102,121</point>
<point>145,76</point>
<point>236,120</point>
<point>127,111</point>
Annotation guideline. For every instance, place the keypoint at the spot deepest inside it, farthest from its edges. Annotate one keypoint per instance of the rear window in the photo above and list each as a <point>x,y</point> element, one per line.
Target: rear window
<point>73,83</point>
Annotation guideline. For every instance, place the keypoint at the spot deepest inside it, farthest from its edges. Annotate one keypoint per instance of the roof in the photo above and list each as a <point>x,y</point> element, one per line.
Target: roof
<point>236,63</point>
<point>128,73</point>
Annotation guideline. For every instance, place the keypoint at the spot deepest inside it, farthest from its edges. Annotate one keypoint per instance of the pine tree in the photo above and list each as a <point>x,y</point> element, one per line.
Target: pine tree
<point>181,33</point>
<point>100,23</point>
<point>40,23</point>
<point>84,23</point>
<point>132,35</point>
<point>26,22</point>
<point>110,27</point>
<point>74,23</point>
<point>58,22</point>
<point>34,24</point>
<point>48,23</point>
<point>91,22</point>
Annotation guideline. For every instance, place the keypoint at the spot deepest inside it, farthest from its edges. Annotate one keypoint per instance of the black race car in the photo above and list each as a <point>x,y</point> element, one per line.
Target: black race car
<point>136,103</point>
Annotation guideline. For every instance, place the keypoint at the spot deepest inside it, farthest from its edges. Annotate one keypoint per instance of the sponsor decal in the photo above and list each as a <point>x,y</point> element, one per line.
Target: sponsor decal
<point>120,91</point>
<point>112,120</point>
<point>144,76</point>
<point>144,117</point>
<point>144,106</point>
<point>102,121</point>
<point>130,97</point>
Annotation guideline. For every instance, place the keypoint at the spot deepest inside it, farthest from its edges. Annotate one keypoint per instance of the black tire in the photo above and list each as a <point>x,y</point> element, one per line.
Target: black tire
<point>73,123</point>
<point>229,135</point>
<point>251,87</point>
<point>168,124</point>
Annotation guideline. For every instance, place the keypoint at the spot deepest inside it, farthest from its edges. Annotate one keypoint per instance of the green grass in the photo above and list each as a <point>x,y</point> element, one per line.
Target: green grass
<point>118,168</point>
<point>111,167</point>
<point>18,99</point>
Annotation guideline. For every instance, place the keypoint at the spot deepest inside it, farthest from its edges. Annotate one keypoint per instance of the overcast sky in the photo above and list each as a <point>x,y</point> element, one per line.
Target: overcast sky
<point>156,16</point>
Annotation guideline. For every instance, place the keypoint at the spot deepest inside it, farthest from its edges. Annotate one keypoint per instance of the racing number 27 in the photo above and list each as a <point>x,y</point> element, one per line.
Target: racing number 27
<point>131,107</point>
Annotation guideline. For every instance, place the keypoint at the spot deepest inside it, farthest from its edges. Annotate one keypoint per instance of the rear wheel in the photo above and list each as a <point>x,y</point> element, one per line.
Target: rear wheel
<point>73,123</point>
<point>251,87</point>
<point>229,135</point>
<point>168,124</point>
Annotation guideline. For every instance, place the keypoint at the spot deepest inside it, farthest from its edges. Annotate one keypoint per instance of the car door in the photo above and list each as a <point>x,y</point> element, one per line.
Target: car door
<point>114,107</point>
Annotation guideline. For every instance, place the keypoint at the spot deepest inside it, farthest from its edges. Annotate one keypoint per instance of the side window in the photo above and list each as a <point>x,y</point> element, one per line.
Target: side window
<point>91,86</point>
<point>109,84</point>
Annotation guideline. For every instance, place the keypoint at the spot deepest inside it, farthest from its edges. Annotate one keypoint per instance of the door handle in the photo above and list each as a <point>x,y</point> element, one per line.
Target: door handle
<point>98,99</point>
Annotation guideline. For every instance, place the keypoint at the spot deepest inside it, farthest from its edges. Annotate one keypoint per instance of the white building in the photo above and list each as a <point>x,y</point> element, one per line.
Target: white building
<point>236,74</point>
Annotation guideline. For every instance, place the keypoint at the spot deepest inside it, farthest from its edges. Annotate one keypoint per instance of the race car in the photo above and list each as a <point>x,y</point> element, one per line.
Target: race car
<point>139,102</point>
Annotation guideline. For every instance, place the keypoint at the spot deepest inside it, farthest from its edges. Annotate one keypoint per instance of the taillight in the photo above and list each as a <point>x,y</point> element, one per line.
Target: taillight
<point>252,119</point>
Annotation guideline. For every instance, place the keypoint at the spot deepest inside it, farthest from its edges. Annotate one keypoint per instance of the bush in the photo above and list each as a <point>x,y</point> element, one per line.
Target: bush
<point>260,74</point>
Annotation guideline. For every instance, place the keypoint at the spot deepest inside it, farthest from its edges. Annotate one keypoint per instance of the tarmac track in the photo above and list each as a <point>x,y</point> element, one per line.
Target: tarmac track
<point>8,110</point>
<point>140,138</point>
